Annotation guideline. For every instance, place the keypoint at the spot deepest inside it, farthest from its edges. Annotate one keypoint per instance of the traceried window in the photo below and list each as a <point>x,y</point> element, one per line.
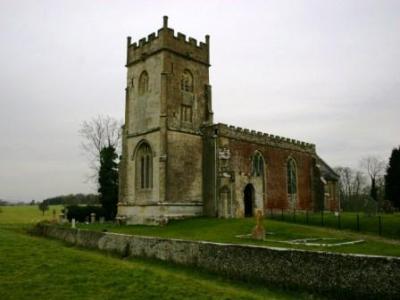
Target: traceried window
<point>187,81</point>
<point>143,83</point>
<point>257,164</point>
<point>291,177</point>
<point>144,169</point>
<point>186,113</point>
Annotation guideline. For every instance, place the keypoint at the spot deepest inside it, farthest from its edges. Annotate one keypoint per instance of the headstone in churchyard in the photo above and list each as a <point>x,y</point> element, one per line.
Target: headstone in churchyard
<point>101,220</point>
<point>62,217</point>
<point>92,218</point>
<point>258,231</point>
<point>73,223</point>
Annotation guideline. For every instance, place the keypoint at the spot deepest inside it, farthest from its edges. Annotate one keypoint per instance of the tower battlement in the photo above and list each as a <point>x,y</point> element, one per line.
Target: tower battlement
<point>166,40</point>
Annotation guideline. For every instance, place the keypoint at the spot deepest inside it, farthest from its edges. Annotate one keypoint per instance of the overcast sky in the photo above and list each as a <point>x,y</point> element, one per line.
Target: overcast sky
<point>326,72</point>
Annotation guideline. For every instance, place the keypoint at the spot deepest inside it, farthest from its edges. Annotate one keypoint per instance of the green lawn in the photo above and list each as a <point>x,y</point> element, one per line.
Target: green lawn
<point>38,268</point>
<point>226,230</point>
<point>389,225</point>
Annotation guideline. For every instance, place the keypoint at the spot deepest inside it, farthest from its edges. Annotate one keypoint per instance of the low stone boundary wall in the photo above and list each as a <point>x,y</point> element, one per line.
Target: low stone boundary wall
<point>342,275</point>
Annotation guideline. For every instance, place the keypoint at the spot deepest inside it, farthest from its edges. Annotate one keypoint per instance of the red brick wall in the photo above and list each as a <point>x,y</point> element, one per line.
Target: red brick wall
<point>275,159</point>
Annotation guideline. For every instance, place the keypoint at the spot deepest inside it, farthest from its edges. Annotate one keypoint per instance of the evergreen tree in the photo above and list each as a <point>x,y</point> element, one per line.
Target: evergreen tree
<point>108,181</point>
<point>374,191</point>
<point>43,206</point>
<point>392,178</point>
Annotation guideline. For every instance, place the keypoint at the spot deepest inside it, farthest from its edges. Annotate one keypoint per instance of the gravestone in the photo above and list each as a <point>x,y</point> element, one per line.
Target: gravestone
<point>92,218</point>
<point>73,223</point>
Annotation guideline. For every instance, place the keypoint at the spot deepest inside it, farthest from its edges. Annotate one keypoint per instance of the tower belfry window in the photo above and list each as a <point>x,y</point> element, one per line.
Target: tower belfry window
<point>187,81</point>
<point>186,113</point>
<point>143,83</point>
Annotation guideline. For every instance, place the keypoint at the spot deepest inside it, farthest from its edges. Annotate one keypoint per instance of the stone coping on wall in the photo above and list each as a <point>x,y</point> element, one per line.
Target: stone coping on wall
<point>339,274</point>
<point>258,137</point>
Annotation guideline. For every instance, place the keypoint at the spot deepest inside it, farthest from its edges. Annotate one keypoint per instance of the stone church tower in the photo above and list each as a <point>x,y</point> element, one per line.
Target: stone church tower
<point>177,163</point>
<point>168,100</point>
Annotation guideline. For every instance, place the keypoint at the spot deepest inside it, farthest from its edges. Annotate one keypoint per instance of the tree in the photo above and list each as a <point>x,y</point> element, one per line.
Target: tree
<point>43,206</point>
<point>374,168</point>
<point>392,178</point>
<point>99,133</point>
<point>352,184</point>
<point>108,181</point>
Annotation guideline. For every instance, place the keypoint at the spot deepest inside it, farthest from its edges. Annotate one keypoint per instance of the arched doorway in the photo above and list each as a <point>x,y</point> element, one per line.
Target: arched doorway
<point>248,200</point>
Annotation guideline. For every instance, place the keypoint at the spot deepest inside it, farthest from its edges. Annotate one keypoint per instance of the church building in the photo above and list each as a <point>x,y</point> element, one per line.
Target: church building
<point>176,162</point>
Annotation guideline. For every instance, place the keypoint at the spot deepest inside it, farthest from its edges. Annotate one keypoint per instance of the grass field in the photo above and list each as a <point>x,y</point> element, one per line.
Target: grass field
<point>387,225</point>
<point>38,268</point>
<point>26,214</point>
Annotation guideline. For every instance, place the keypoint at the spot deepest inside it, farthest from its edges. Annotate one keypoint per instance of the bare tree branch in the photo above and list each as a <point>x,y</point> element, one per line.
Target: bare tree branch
<point>351,182</point>
<point>98,133</point>
<point>373,166</point>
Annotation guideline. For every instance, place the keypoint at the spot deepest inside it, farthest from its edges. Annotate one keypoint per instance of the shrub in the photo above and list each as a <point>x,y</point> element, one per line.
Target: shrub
<point>82,213</point>
<point>387,207</point>
<point>370,206</point>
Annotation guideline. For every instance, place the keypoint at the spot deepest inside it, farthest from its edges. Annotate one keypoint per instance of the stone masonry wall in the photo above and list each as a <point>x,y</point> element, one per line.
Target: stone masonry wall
<point>184,182</point>
<point>341,275</point>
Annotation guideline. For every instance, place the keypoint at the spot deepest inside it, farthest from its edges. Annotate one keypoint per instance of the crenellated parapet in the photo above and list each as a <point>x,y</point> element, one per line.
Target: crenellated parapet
<point>165,39</point>
<point>253,136</point>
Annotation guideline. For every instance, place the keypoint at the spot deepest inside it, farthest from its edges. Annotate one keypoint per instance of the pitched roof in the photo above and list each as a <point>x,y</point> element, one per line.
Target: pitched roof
<point>326,171</point>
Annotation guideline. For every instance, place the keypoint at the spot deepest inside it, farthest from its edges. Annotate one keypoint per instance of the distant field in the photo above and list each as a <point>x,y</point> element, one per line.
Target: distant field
<point>26,214</point>
<point>38,268</point>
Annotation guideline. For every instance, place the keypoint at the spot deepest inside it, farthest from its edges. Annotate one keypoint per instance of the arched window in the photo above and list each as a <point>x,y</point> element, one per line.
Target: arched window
<point>143,83</point>
<point>291,178</point>
<point>144,167</point>
<point>257,164</point>
<point>187,81</point>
